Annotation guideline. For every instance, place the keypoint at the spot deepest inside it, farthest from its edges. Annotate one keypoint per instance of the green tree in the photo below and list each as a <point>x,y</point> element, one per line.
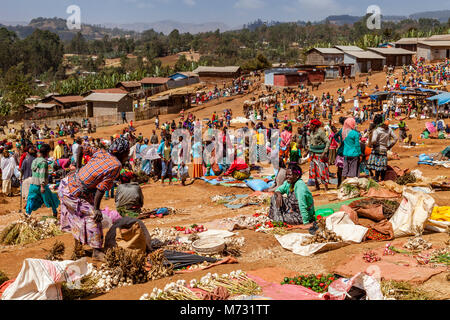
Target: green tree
<point>16,88</point>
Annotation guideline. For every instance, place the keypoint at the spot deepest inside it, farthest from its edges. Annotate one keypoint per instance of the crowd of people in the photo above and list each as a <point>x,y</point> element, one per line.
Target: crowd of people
<point>85,170</point>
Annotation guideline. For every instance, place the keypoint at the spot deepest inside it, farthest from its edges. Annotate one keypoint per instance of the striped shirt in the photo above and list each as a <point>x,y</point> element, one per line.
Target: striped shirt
<point>98,174</point>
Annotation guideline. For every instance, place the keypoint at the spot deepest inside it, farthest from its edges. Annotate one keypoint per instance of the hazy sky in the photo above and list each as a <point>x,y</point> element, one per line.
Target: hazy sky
<point>231,12</point>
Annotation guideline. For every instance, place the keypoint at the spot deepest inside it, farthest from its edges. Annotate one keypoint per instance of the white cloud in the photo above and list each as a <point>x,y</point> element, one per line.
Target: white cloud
<point>249,4</point>
<point>190,3</point>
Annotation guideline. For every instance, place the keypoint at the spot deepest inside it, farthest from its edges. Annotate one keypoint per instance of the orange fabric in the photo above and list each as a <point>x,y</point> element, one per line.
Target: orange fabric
<point>367,152</point>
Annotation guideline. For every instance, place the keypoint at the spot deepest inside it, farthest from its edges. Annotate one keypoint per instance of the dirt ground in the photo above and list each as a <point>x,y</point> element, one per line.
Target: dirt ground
<point>260,250</point>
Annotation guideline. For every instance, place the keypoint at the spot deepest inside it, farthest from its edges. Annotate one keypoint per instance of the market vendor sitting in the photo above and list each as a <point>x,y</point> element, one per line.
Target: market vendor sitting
<point>239,169</point>
<point>129,195</point>
<point>298,207</point>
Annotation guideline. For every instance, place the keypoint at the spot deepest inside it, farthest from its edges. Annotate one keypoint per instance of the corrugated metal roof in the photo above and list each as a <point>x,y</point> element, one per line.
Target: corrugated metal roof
<point>44,106</point>
<point>229,69</point>
<point>365,55</point>
<point>409,40</point>
<point>327,50</point>
<point>387,51</point>
<point>110,90</point>
<point>444,37</point>
<point>189,74</point>
<point>436,43</point>
<point>130,84</point>
<point>105,97</point>
<point>68,99</point>
<point>348,48</point>
<point>154,80</point>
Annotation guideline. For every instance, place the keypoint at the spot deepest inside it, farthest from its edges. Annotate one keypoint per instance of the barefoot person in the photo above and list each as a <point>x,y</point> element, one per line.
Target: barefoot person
<point>81,193</point>
<point>298,207</point>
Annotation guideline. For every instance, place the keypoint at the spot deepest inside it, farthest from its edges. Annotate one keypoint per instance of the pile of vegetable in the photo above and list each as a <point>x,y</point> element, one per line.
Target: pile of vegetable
<point>128,264</point>
<point>352,187</point>
<point>322,235</point>
<point>28,230</point>
<point>417,244</point>
<point>248,222</point>
<point>370,256</point>
<point>401,290</point>
<point>221,287</point>
<point>56,252</point>
<point>318,283</point>
<point>159,266</point>
<point>259,199</point>
<point>406,178</point>
<point>275,227</point>
<point>193,229</point>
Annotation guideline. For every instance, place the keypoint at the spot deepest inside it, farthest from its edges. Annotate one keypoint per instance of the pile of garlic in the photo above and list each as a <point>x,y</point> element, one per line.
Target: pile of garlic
<point>246,221</point>
<point>236,242</point>
<point>107,279</point>
<point>166,235</point>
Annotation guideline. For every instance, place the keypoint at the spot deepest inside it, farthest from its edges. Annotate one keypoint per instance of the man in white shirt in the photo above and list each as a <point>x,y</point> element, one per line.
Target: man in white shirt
<point>75,149</point>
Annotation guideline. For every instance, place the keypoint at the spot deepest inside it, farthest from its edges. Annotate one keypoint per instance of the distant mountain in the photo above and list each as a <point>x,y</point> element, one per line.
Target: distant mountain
<point>441,15</point>
<point>167,26</point>
<point>13,23</point>
<point>58,26</point>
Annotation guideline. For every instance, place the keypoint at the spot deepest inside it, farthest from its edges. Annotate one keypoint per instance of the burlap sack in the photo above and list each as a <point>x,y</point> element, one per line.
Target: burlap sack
<point>132,238</point>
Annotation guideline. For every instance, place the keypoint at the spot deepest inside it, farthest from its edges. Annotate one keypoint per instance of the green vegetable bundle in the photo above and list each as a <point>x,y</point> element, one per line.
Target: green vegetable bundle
<point>318,283</point>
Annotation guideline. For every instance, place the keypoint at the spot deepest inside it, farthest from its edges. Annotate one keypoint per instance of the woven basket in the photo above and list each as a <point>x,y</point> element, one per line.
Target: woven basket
<point>209,245</point>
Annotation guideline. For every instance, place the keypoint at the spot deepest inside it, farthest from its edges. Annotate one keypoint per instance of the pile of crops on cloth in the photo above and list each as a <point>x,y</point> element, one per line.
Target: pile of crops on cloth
<point>123,267</point>
<point>352,187</point>
<point>253,199</point>
<point>332,232</point>
<point>27,230</point>
<point>322,235</point>
<point>209,287</point>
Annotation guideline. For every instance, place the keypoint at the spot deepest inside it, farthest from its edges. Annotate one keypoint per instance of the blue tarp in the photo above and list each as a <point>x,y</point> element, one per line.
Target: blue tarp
<point>441,98</point>
<point>375,95</point>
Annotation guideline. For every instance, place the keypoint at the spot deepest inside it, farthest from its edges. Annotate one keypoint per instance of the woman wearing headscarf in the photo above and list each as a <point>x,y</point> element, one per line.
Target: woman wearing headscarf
<point>352,149</point>
<point>382,140</point>
<point>298,206</point>
<point>129,194</point>
<point>81,193</point>
<point>319,143</point>
<point>285,142</point>
<point>39,192</point>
